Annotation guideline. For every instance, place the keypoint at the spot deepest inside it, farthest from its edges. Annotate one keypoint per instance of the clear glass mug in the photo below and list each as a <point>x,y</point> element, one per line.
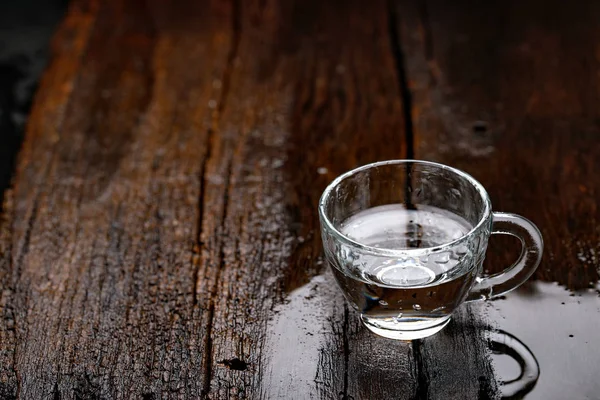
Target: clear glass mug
<point>406,241</point>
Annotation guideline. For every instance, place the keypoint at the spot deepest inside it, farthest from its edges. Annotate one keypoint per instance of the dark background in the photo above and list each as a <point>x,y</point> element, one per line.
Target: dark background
<point>26,27</point>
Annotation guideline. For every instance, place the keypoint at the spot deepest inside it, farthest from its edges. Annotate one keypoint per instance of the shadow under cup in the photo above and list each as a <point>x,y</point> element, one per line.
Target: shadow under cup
<point>406,242</point>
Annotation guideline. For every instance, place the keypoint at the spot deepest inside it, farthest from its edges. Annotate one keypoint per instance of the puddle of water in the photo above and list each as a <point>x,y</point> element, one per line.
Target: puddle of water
<point>300,330</point>
<point>518,379</point>
<point>561,329</point>
<point>506,366</point>
<point>305,354</point>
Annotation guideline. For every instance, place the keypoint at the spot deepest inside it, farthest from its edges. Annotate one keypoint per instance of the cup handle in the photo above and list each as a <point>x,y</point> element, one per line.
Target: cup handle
<point>512,277</point>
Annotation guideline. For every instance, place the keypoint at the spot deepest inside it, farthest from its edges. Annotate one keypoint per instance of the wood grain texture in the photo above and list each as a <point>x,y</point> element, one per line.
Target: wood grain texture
<point>162,231</point>
<point>161,239</point>
<point>508,91</point>
<point>455,363</point>
<point>104,209</point>
<point>312,90</point>
<point>53,98</point>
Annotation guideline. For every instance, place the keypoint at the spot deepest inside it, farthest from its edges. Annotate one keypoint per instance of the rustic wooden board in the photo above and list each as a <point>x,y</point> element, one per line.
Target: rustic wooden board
<point>52,99</point>
<point>163,216</point>
<point>161,239</point>
<point>100,266</point>
<point>454,364</point>
<point>508,91</point>
<point>313,92</point>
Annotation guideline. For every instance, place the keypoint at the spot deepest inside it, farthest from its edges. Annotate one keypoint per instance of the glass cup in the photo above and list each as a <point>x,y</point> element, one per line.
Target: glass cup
<point>406,241</point>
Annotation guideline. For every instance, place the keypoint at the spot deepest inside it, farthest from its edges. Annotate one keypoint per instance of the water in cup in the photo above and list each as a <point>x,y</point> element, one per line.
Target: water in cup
<point>406,293</point>
<point>406,241</point>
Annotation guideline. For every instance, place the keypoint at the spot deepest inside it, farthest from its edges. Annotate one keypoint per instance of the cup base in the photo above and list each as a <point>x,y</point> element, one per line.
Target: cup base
<point>404,332</point>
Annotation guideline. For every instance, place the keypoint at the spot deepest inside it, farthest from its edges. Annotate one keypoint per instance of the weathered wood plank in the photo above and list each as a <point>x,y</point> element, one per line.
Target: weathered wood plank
<point>164,210</point>
<point>455,363</point>
<point>101,264</point>
<point>507,91</point>
<point>47,115</point>
<point>313,93</point>
<point>511,97</point>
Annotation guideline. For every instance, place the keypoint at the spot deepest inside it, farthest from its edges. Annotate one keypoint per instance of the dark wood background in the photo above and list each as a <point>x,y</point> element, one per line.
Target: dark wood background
<point>160,235</point>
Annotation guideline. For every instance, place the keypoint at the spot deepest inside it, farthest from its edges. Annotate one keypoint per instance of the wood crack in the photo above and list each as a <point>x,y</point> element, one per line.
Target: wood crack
<point>403,88</point>
<point>226,81</point>
<point>407,107</point>
<point>211,311</point>
<point>422,378</point>
<point>208,348</point>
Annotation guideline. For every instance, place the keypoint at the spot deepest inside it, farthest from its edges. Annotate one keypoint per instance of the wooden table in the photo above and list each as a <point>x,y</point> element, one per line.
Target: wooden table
<point>161,237</point>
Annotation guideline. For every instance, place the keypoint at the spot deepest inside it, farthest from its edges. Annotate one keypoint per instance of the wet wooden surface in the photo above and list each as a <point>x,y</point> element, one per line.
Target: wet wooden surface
<point>508,91</point>
<point>160,238</point>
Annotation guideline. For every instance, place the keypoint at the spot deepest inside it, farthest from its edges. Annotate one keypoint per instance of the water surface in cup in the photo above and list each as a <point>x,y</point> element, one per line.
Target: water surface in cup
<point>406,293</point>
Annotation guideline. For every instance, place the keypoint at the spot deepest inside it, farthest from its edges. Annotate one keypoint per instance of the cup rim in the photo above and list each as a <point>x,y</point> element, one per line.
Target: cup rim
<point>396,252</point>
